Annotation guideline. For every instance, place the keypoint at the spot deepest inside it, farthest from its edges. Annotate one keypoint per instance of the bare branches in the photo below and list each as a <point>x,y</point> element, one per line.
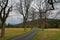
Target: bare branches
<point>3,14</point>
<point>7,14</point>
<point>51,3</point>
<point>6,4</point>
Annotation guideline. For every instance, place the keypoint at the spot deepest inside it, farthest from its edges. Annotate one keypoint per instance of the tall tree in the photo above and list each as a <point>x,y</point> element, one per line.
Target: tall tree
<point>43,10</point>
<point>24,10</point>
<point>32,18</point>
<point>4,14</point>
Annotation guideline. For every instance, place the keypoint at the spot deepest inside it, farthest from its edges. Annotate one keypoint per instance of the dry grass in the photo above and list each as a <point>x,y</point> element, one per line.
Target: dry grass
<point>48,34</point>
<point>51,34</point>
<point>12,32</point>
<point>53,29</point>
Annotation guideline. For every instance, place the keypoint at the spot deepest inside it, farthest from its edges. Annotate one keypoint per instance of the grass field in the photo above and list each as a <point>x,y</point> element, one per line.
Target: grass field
<point>12,32</point>
<point>47,34</point>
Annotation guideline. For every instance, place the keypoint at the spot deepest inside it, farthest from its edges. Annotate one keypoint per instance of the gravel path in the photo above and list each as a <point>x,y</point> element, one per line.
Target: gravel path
<point>27,36</point>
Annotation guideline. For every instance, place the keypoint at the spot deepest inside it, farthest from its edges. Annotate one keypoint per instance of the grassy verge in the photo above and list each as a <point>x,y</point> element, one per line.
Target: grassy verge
<point>47,34</point>
<point>37,36</point>
<point>52,34</point>
<point>12,32</point>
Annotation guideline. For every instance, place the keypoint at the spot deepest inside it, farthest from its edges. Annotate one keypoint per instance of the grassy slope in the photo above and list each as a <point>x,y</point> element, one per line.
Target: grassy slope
<point>12,32</point>
<point>48,34</point>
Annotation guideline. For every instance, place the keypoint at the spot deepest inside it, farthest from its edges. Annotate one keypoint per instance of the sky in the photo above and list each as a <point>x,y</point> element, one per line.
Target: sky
<point>55,13</point>
<point>15,17</point>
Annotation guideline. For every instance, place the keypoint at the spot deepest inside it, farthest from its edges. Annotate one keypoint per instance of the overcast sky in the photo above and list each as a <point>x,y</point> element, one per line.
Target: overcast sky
<point>16,18</point>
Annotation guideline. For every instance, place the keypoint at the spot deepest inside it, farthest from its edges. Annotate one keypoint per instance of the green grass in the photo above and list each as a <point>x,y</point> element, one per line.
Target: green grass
<point>37,36</point>
<point>47,34</point>
<point>12,32</point>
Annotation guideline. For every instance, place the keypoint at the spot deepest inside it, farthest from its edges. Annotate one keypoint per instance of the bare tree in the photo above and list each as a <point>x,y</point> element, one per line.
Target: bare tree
<point>4,14</point>
<point>44,10</point>
<point>51,3</point>
<point>24,9</point>
<point>32,19</point>
<point>47,10</point>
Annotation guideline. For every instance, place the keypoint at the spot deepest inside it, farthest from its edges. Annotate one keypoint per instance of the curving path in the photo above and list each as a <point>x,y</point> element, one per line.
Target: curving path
<point>27,36</point>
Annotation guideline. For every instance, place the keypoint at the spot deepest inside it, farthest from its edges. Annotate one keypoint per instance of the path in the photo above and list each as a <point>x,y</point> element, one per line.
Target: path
<point>27,36</point>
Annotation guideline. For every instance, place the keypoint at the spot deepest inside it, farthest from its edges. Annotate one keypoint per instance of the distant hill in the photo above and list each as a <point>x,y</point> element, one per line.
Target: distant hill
<point>53,20</point>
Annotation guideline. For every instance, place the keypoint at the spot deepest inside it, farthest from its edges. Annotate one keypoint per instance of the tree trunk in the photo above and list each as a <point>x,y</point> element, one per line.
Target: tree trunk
<point>24,24</point>
<point>32,23</point>
<point>3,30</point>
<point>24,28</point>
<point>43,24</point>
<point>31,27</point>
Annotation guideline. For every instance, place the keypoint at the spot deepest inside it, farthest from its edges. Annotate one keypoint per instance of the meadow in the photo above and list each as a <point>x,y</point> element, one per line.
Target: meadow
<point>47,34</point>
<point>12,32</point>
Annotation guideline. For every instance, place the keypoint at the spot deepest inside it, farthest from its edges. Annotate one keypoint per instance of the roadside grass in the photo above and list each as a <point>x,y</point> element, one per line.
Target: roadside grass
<point>12,32</point>
<point>47,34</point>
<point>37,36</point>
